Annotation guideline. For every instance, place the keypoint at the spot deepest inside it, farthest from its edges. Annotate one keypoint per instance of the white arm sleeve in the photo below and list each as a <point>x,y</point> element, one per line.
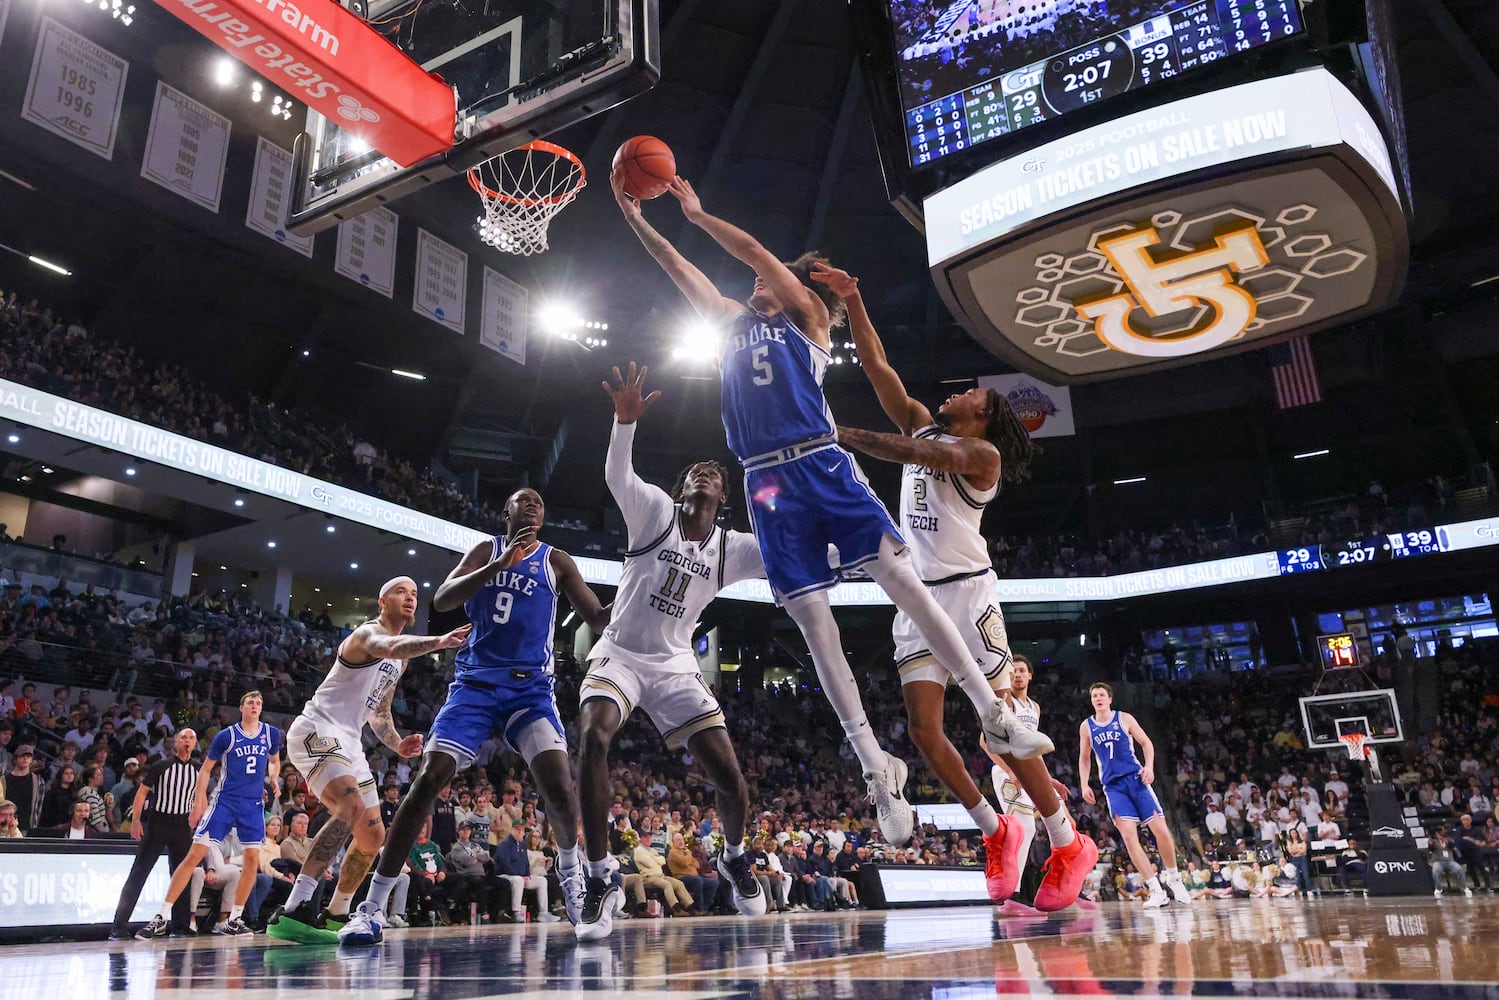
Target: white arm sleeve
<point>646,508</point>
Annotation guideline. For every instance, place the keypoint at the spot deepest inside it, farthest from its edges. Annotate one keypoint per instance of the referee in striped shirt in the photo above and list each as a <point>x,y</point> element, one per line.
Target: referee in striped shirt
<point>159,821</point>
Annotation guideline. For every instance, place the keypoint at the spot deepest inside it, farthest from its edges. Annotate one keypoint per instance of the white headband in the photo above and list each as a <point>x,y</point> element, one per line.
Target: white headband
<point>388,584</point>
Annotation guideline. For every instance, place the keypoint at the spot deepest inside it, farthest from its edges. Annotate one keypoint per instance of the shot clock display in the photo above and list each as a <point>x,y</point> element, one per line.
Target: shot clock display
<point>1378,548</point>
<point>1339,651</point>
<point>1000,69</point>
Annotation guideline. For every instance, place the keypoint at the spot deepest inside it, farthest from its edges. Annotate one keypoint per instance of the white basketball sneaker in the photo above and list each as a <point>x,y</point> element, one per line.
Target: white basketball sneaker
<point>887,792</point>
<point>1179,891</point>
<point>1004,734</point>
<point>1158,899</point>
<point>366,925</point>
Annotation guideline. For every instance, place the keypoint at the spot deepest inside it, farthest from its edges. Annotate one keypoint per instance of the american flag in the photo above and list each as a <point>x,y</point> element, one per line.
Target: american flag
<point>1295,373</point>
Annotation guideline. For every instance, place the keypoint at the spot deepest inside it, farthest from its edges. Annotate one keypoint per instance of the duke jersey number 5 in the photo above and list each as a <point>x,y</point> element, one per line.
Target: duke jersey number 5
<point>760,360</point>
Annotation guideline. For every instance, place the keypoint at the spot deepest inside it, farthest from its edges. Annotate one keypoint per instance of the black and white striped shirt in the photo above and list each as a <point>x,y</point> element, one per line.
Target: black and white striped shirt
<point>171,783</point>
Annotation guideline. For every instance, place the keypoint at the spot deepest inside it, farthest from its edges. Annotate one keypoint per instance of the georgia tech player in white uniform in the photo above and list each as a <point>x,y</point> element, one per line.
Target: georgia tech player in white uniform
<point>678,561</point>
<point>323,743</point>
<point>954,463</point>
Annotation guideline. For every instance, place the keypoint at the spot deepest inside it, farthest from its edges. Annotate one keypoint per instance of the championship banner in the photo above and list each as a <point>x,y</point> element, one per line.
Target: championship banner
<point>270,189</point>
<point>75,89</point>
<point>441,281</point>
<point>503,322</point>
<point>366,250</point>
<point>1044,410</point>
<point>332,61</point>
<point>186,147</point>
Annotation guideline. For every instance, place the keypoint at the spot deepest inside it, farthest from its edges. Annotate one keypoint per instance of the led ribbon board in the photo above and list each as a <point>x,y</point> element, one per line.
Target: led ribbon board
<point>1214,224</point>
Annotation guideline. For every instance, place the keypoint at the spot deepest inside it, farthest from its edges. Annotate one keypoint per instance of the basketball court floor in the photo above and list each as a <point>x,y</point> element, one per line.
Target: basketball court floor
<point>1411,947</point>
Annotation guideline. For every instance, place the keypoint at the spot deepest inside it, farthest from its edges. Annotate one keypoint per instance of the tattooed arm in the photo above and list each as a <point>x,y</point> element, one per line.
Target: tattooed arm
<point>384,727</point>
<point>371,641</point>
<point>966,456</point>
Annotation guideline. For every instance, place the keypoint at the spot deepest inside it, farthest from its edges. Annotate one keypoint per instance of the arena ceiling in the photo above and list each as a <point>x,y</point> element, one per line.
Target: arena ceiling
<point>764,110</point>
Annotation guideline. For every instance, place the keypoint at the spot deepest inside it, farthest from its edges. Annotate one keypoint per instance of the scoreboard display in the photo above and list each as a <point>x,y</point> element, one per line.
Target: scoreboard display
<point>1358,552</point>
<point>990,62</point>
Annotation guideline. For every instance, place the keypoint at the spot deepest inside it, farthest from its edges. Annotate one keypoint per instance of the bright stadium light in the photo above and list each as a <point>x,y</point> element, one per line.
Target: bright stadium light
<point>560,320</point>
<point>1312,454</point>
<point>1126,482</point>
<point>223,71</point>
<point>699,342</point>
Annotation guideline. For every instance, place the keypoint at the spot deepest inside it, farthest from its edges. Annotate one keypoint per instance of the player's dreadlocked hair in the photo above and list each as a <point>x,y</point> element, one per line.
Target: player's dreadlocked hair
<point>680,485</point>
<point>802,268</point>
<point>1004,430</point>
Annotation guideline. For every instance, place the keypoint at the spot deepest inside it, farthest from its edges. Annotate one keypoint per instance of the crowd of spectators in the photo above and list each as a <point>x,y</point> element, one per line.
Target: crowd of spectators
<point>38,348</point>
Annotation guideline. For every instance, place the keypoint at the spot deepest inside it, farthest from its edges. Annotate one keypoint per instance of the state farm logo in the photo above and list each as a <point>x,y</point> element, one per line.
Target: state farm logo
<point>1390,831</point>
<point>349,108</point>
<point>1187,281</point>
<point>1387,867</point>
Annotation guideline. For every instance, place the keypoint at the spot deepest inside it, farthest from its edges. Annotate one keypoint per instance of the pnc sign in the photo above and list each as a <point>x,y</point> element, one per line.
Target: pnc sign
<point>1185,281</point>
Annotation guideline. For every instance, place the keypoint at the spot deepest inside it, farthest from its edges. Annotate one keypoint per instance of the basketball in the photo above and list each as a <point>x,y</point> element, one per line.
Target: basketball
<point>648,166</point>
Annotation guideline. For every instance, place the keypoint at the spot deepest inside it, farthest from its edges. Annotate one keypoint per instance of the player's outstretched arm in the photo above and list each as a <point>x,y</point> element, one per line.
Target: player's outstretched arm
<point>905,412</point>
<point>384,727</point>
<point>642,504</point>
<point>371,642</point>
<point>693,283</point>
<point>797,298</point>
<point>972,457</point>
<point>581,596</point>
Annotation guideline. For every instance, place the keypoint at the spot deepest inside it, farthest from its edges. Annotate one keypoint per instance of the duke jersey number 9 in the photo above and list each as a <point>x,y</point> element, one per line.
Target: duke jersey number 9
<point>503,602</point>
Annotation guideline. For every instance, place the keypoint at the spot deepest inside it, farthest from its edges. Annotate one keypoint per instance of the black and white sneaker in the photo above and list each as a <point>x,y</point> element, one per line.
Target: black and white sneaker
<point>233,927</point>
<point>156,928</point>
<point>600,899</point>
<point>749,900</point>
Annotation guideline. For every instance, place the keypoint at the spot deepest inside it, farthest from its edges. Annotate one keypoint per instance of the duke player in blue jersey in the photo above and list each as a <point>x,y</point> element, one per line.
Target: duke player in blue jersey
<point>805,492</point>
<point>1111,737</point>
<point>250,753</point>
<point>503,681</point>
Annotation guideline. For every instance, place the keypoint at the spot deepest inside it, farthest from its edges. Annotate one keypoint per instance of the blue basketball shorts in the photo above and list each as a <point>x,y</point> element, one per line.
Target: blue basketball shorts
<point>244,816</point>
<point>1131,798</point>
<point>799,508</point>
<point>505,699</point>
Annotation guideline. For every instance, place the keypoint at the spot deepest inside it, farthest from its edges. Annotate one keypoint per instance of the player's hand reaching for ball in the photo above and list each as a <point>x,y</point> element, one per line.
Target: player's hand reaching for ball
<point>628,204</point>
<point>843,284</point>
<point>629,403</point>
<point>692,205</point>
<point>1088,795</point>
<point>454,639</point>
<point>410,747</point>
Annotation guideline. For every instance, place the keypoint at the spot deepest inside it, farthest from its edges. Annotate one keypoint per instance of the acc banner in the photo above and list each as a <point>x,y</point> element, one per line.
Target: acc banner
<point>503,329</point>
<point>367,250</point>
<point>1045,410</point>
<point>75,89</point>
<point>268,196</point>
<point>186,147</point>
<point>441,281</point>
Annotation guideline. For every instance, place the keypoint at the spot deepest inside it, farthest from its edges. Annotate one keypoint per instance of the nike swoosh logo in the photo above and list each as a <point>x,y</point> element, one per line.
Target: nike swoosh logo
<point>834,466</point>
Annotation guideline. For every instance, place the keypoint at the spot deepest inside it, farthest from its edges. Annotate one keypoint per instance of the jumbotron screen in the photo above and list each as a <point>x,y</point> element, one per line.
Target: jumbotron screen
<point>975,70</point>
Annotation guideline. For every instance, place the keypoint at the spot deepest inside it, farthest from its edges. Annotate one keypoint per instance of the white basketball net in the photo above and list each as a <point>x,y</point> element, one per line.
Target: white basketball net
<point>521,190</point>
<point>1356,748</point>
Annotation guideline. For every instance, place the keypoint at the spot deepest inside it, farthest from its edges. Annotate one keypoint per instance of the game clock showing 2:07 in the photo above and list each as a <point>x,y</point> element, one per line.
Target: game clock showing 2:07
<point>1176,40</point>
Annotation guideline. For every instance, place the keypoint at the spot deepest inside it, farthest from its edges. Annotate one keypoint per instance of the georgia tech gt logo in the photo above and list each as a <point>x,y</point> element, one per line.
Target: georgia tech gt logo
<point>1203,277</point>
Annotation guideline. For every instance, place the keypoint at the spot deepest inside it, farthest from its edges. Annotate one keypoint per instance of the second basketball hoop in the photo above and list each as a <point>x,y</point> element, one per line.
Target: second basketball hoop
<point>521,191</point>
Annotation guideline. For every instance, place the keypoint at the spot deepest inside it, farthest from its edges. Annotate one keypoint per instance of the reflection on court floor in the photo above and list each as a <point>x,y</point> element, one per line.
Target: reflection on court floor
<point>1284,948</point>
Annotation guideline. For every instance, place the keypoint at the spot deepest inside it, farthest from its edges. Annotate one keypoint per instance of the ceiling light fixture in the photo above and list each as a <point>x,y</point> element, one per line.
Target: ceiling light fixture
<point>1313,454</point>
<point>39,262</point>
<point>417,376</point>
<point>1126,482</point>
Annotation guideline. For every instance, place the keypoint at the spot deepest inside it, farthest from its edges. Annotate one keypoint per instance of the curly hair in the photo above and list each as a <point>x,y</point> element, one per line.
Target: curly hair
<point>1005,431</point>
<point>802,268</point>
<point>678,487</point>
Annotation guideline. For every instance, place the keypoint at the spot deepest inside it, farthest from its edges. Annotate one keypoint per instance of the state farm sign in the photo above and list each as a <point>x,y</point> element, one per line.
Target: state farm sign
<point>327,57</point>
